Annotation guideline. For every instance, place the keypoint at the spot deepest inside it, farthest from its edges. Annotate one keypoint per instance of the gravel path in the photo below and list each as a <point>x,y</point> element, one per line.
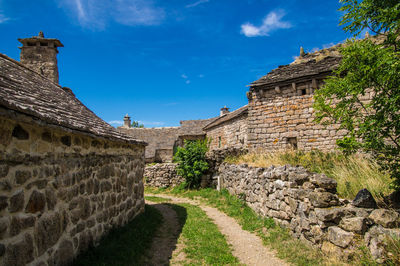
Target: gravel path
<point>165,243</point>
<point>247,247</point>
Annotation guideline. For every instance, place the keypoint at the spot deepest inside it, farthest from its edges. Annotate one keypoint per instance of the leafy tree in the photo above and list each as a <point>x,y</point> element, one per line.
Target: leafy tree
<point>369,67</point>
<point>191,161</point>
<point>136,124</point>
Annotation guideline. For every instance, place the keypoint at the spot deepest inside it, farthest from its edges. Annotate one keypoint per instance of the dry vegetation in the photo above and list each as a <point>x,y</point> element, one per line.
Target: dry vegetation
<point>352,173</point>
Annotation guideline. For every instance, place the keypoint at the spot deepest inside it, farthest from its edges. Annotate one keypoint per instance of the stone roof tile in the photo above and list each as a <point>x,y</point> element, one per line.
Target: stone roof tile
<point>27,92</point>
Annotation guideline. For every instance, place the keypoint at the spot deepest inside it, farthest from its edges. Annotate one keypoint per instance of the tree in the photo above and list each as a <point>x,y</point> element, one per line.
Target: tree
<point>191,161</point>
<point>136,124</point>
<point>369,67</point>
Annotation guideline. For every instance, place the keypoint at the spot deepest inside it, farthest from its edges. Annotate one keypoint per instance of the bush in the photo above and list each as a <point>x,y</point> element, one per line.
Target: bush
<point>191,161</point>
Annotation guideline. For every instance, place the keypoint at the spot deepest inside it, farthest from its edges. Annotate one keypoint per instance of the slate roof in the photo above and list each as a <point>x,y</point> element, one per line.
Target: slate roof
<point>194,127</point>
<point>227,117</point>
<point>27,92</point>
<point>309,68</point>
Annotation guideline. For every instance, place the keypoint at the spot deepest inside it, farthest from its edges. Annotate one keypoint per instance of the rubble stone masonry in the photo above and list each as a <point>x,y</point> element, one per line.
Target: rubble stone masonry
<point>230,134</point>
<point>285,119</point>
<point>62,190</point>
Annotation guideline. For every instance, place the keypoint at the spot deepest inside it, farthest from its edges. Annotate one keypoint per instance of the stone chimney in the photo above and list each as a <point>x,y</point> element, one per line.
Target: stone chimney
<point>224,111</point>
<point>127,121</point>
<point>40,54</point>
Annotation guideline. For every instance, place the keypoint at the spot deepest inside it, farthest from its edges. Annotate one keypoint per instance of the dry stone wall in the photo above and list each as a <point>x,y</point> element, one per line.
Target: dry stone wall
<point>162,175</point>
<point>307,204</point>
<point>62,190</point>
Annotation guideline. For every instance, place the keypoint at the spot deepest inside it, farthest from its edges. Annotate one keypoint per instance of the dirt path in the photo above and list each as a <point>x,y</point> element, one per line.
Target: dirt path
<point>247,247</point>
<point>164,245</point>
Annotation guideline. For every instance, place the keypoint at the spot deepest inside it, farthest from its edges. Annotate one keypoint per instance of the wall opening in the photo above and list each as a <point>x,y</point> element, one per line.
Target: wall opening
<point>292,143</point>
<point>219,142</point>
<point>303,92</point>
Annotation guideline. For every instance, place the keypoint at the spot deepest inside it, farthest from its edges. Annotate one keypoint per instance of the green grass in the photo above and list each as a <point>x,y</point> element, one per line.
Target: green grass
<point>352,173</point>
<point>156,199</point>
<point>204,244</point>
<point>288,248</point>
<point>126,245</point>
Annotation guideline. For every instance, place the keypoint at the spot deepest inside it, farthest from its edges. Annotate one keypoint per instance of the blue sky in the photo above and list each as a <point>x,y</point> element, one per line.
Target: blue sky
<point>166,61</point>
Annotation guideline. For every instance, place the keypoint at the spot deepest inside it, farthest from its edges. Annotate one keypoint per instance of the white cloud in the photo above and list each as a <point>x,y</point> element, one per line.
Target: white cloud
<point>116,122</point>
<point>187,81</point>
<point>97,14</point>
<point>186,78</point>
<point>270,23</point>
<point>3,18</point>
<point>201,76</point>
<point>151,123</point>
<point>197,3</point>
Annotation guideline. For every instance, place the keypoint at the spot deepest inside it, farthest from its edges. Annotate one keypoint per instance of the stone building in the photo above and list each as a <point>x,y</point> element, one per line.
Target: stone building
<point>280,113</point>
<point>163,141</point>
<point>66,176</point>
<point>229,130</point>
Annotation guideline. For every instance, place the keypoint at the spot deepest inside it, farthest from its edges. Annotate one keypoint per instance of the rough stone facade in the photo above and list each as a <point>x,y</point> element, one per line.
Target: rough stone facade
<point>161,141</point>
<point>307,204</point>
<point>61,191</point>
<point>280,108</point>
<point>229,130</point>
<point>40,54</point>
<point>162,175</point>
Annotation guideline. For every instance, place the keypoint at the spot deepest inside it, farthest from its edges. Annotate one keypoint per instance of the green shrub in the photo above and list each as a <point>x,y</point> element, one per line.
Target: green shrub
<point>191,162</point>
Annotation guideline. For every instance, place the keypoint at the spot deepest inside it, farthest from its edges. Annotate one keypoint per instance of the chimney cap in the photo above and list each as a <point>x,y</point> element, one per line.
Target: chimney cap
<point>40,37</point>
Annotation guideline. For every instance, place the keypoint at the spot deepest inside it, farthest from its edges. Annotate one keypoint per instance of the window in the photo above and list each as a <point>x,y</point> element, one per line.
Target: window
<point>219,142</point>
<point>43,44</point>
<point>292,143</point>
<point>303,91</point>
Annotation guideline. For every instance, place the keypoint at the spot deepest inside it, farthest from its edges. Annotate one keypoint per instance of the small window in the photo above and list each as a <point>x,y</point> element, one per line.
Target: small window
<point>303,91</point>
<point>31,44</point>
<point>292,143</point>
<point>219,142</point>
<point>44,44</point>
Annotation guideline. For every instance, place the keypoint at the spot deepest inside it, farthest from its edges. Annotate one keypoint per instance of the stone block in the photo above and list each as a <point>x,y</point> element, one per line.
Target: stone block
<point>364,199</point>
<point>19,253</point>
<point>36,203</point>
<point>354,224</point>
<point>324,182</point>
<point>339,237</point>
<point>21,176</point>
<point>16,201</point>
<point>21,222</point>
<point>47,231</point>
<point>386,218</point>
<point>323,199</point>
<point>3,202</point>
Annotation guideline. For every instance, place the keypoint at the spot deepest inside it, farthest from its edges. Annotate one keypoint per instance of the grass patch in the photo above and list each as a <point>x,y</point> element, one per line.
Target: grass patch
<point>126,245</point>
<point>204,244</point>
<point>352,173</point>
<point>293,250</point>
<point>156,199</point>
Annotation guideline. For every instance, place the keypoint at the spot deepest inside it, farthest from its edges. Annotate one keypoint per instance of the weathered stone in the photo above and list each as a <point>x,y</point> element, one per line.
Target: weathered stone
<point>339,237</point>
<point>20,222</point>
<point>36,203</point>
<point>386,218</point>
<point>4,170</point>
<point>331,214</point>
<point>324,182</point>
<point>51,198</point>
<point>20,252</point>
<point>84,206</point>
<point>354,224</point>
<point>105,186</point>
<point>16,201</point>
<point>323,199</point>
<point>40,184</point>
<point>21,176</point>
<point>3,202</point>
<point>3,225</point>
<point>364,199</point>
<point>47,231</point>
<point>65,253</point>
<point>299,178</point>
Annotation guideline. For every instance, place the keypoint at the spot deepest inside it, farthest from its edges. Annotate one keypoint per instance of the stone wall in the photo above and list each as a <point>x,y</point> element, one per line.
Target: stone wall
<point>162,175</point>
<point>284,119</point>
<point>307,204</point>
<point>232,134</point>
<point>158,139</point>
<point>62,190</point>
